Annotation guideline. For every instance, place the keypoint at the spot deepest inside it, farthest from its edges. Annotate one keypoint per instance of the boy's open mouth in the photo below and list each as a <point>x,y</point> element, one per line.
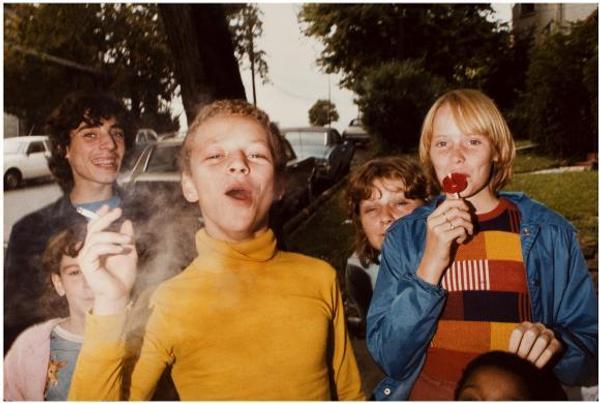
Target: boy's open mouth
<point>239,193</point>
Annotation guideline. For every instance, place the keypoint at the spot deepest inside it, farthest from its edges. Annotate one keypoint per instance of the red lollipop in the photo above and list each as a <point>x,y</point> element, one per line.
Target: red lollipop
<point>454,183</point>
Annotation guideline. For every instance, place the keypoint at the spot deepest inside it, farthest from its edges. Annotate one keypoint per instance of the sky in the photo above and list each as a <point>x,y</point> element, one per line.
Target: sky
<point>296,81</point>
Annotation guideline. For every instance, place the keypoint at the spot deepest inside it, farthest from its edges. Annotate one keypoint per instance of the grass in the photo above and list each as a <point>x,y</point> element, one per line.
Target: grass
<point>528,162</point>
<point>572,194</point>
<point>326,234</point>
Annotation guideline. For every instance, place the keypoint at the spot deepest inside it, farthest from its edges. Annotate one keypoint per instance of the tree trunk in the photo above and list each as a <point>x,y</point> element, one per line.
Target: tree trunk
<point>200,42</point>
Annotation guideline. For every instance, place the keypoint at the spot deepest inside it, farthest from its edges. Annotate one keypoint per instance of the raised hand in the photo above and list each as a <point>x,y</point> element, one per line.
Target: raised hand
<point>108,261</point>
<point>449,223</point>
<point>534,342</point>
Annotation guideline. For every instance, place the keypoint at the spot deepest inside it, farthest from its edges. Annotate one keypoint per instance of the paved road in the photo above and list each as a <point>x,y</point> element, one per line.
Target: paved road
<point>19,202</point>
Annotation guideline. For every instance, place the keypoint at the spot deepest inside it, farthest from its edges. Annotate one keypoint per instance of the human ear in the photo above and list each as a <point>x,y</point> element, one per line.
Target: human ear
<point>58,285</point>
<point>66,152</point>
<point>188,189</point>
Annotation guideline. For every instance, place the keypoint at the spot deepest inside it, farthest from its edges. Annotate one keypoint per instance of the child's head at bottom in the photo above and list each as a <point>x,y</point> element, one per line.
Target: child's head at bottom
<point>60,263</point>
<point>499,375</point>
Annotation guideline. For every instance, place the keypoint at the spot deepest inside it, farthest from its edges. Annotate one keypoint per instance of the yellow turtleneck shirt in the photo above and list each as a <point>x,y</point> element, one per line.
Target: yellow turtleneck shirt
<point>243,321</point>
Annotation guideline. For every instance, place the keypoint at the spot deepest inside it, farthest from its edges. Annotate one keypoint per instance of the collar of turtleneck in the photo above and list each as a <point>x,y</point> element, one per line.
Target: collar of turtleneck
<point>259,249</point>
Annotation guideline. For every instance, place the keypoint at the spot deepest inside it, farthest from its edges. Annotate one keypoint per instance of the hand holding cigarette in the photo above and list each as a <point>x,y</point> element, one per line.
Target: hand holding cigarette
<point>108,261</point>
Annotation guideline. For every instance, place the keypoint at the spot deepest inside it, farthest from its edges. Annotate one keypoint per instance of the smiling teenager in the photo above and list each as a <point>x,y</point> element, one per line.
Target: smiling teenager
<point>244,321</point>
<point>90,134</point>
<point>478,269</point>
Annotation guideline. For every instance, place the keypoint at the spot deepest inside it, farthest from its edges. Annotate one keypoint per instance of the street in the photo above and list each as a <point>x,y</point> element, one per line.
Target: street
<point>22,201</point>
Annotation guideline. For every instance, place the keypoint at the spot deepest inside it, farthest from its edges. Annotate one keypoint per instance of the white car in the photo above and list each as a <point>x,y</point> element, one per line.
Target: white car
<point>25,158</point>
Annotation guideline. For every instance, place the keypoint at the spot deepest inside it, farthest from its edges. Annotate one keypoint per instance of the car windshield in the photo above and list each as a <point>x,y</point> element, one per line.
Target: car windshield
<point>306,138</point>
<point>133,157</point>
<point>12,146</point>
<point>164,159</point>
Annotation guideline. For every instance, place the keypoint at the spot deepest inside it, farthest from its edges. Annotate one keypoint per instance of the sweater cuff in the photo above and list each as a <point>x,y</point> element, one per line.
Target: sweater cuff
<point>429,288</point>
<point>104,330</point>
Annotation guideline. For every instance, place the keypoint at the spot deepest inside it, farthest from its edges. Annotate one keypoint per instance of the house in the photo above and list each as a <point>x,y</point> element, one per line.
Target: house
<point>548,17</point>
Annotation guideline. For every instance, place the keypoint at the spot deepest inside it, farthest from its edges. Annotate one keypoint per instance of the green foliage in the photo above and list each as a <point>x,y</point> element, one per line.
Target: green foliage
<point>245,26</point>
<point>455,41</point>
<point>394,98</point>
<point>322,113</point>
<point>561,99</point>
<point>123,44</point>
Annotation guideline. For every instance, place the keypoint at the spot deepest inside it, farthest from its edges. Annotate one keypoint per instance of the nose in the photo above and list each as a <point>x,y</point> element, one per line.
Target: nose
<point>458,154</point>
<point>387,217</point>
<point>106,140</point>
<point>238,164</point>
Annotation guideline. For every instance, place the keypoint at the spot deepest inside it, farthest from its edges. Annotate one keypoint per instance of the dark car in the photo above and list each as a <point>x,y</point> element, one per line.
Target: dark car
<point>356,133</point>
<point>155,175</point>
<point>325,144</point>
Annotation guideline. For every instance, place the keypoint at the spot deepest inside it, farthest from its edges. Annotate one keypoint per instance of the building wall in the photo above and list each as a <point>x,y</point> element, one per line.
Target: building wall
<point>12,126</point>
<point>544,17</point>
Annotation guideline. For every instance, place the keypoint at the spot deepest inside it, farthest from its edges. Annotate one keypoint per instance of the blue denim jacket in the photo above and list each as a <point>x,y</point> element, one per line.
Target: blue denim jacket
<point>404,310</point>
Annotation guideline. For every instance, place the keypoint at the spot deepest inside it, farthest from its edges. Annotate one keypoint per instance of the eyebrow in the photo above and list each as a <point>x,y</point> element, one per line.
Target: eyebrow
<point>64,268</point>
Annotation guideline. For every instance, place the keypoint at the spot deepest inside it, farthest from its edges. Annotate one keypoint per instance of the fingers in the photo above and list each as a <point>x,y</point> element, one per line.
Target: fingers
<point>534,342</point>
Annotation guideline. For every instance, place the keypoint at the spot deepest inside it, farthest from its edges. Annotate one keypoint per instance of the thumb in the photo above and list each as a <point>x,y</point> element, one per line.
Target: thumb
<point>127,228</point>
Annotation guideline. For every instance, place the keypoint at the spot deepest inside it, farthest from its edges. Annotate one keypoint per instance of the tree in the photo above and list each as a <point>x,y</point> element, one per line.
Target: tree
<point>200,41</point>
<point>322,113</point>
<point>454,41</point>
<point>394,98</point>
<point>560,102</point>
<point>246,26</point>
<point>115,48</point>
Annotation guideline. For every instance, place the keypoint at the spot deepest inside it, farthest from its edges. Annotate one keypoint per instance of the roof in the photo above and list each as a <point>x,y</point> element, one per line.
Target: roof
<point>27,138</point>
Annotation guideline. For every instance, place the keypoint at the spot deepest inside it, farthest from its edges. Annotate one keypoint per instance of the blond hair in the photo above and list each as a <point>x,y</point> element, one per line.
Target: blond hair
<point>241,108</point>
<point>474,112</point>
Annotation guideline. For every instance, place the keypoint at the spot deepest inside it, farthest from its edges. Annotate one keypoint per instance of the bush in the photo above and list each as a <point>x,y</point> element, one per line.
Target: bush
<point>562,89</point>
<point>393,99</point>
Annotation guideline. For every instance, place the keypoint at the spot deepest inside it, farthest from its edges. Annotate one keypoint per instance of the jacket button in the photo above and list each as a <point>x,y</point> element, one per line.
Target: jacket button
<point>387,391</point>
<point>526,231</point>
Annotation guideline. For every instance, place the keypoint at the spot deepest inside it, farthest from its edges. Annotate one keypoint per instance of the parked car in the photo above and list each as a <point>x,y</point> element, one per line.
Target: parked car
<point>325,144</point>
<point>356,133</point>
<point>25,158</point>
<point>155,175</point>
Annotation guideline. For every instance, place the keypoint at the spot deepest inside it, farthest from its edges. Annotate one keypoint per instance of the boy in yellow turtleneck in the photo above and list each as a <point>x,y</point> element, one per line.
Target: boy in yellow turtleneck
<point>244,320</point>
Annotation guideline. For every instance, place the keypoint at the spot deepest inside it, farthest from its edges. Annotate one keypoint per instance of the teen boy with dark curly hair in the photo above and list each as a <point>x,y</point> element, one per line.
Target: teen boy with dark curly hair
<point>90,134</point>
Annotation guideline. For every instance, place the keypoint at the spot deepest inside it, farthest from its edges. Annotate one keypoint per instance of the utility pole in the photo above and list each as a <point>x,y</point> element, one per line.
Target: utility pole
<point>329,100</point>
<point>251,55</point>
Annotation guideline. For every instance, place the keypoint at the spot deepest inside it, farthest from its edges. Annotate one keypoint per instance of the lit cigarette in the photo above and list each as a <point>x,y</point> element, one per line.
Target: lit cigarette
<point>87,213</point>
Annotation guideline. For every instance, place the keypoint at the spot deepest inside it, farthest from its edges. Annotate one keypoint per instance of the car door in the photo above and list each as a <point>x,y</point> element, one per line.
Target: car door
<point>35,162</point>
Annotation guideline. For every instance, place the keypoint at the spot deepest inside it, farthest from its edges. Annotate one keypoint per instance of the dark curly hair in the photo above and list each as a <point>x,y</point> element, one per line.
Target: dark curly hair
<point>78,107</point>
<point>533,383</point>
<point>360,187</point>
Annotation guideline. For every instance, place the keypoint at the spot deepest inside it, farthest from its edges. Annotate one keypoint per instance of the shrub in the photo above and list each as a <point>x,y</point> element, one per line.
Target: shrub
<point>562,89</point>
<point>394,98</point>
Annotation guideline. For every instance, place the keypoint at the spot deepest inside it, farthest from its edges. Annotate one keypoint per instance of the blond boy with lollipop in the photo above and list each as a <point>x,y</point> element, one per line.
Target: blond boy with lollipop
<point>478,269</point>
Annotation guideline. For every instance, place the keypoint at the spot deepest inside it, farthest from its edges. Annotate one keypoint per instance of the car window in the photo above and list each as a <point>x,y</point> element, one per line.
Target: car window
<point>314,138</point>
<point>294,138</point>
<point>164,159</point>
<point>36,147</point>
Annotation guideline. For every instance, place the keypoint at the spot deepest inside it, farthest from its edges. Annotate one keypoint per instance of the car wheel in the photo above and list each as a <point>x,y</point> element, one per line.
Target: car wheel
<point>12,179</point>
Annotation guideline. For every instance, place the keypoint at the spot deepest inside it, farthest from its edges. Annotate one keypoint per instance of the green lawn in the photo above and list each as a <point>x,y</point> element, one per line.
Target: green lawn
<point>528,161</point>
<point>572,194</point>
